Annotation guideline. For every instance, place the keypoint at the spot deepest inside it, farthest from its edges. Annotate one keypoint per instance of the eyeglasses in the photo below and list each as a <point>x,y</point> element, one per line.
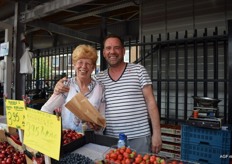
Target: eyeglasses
<point>81,63</point>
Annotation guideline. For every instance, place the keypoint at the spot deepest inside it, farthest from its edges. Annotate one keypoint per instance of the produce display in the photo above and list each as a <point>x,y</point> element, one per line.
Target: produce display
<point>70,136</point>
<point>9,155</point>
<point>126,155</point>
<point>114,155</point>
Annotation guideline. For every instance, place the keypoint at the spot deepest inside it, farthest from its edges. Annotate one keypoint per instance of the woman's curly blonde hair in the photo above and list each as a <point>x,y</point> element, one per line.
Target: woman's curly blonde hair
<point>84,52</point>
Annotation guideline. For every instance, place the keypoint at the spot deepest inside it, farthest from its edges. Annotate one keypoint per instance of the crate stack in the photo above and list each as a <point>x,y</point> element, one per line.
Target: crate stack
<point>171,141</point>
<point>204,145</point>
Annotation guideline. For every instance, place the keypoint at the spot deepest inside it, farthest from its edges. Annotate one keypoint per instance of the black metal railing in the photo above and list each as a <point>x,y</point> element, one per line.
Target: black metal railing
<point>186,67</point>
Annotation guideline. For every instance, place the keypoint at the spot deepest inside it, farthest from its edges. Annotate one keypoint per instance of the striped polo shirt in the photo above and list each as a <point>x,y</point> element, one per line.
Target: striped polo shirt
<point>126,110</point>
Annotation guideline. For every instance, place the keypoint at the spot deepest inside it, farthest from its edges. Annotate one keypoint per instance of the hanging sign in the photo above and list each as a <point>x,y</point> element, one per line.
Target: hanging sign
<point>4,49</point>
<point>42,132</point>
<point>15,113</point>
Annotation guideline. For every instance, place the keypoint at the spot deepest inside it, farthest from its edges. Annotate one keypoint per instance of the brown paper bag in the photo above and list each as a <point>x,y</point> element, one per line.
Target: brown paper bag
<point>80,106</point>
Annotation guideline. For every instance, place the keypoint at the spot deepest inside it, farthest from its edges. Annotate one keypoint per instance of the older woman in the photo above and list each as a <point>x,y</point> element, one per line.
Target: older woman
<point>84,59</point>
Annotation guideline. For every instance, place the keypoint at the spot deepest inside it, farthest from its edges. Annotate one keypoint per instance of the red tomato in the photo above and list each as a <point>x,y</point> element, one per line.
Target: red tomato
<point>117,151</point>
<point>174,162</point>
<point>107,156</point>
<point>120,157</point>
<point>111,151</point>
<point>140,156</point>
<point>128,150</point>
<point>127,161</point>
<point>126,155</point>
<point>152,159</point>
<point>117,162</point>
<point>123,162</point>
<point>111,160</point>
<point>121,150</point>
<point>113,156</point>
<point>146,157</point>
<point>142,162</point>
<point>138,159</point>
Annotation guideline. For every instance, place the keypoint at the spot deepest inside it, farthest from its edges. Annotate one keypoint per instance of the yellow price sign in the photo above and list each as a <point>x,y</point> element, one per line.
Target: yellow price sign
<point>15,113</point>
<point>42,132</point>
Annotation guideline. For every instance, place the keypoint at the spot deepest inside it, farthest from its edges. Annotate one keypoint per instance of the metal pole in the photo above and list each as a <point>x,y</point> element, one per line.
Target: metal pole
<point>230,71</point>
<point>8,63</point>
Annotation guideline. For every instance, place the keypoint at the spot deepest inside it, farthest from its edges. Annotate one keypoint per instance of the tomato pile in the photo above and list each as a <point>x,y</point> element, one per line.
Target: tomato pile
<point>8,154</point>
<point>70,136</point>
<point>126,155</point>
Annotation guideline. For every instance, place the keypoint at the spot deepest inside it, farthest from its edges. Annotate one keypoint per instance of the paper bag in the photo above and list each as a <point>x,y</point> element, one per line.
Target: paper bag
<point>80,106</point>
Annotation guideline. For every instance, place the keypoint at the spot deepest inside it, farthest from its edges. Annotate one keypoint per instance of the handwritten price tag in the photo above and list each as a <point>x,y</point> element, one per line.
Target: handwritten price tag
<point>42,132</point>
<point>15,115</point>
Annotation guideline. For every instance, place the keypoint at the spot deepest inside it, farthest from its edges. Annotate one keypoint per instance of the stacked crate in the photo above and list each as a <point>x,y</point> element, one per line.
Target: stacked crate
<point>171,141</point>
<point>206,146</point>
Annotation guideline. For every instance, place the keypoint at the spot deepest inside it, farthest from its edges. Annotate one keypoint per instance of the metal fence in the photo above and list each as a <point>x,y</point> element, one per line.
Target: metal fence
<point>179,68</point>
<point>187,67</point>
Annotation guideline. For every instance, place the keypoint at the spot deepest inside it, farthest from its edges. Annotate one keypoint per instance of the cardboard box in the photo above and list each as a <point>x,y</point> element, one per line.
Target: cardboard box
<point>171,146</point>
<point>171,129</point>
<point>4,137</point>
<point>170,138</point>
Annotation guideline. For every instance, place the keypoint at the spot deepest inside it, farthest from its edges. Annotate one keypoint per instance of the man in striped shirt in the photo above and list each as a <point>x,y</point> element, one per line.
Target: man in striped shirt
<point>130,102</point>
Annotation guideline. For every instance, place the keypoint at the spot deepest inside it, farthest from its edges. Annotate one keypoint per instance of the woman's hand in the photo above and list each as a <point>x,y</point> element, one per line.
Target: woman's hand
<point>60,86</point>
<point>93,126</point>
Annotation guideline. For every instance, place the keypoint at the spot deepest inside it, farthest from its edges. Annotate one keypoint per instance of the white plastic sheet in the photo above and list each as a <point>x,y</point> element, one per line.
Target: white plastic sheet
<point>25,62</point>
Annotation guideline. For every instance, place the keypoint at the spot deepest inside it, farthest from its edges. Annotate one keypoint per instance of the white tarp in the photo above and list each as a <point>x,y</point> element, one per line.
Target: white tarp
<point>25,62</point>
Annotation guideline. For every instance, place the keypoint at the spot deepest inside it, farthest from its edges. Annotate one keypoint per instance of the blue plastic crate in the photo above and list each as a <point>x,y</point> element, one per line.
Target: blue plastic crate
<point>211,137</point>
<point>204,154</point>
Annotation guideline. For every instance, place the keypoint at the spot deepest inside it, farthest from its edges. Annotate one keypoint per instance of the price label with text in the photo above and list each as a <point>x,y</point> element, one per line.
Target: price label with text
<point>42,132</point>
<point>15,113</point>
